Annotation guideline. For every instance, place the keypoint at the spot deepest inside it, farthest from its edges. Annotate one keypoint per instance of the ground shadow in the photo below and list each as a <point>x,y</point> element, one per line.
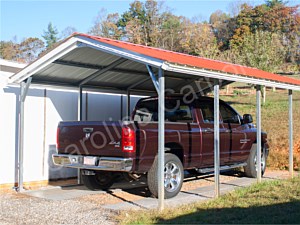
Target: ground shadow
<point>281,213</point>
<point>140,188</point>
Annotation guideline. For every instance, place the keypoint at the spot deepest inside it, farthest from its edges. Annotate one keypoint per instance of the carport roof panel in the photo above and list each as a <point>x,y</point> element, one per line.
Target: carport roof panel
<point>77,58</point>
<point>193,61</point>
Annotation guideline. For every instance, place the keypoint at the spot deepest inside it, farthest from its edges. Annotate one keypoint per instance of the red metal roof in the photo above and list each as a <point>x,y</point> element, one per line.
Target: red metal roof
<point>193,61</point>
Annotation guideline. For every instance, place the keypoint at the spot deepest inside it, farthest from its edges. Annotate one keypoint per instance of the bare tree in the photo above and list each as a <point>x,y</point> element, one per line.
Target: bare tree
<point>67,32</point>
<point>105,25</point>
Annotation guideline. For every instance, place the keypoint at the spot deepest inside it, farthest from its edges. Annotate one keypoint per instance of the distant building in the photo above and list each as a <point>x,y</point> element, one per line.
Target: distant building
<point>8,68</point>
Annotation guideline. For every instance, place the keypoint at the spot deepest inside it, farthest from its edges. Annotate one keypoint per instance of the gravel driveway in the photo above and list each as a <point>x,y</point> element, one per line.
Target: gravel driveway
<point>18,208</point>
<point>22,209</point>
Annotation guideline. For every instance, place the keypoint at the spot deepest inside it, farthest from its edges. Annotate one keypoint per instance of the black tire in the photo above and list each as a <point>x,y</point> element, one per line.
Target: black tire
<point>173,163</point>
<point>100,181</point>
<point>250,169</point>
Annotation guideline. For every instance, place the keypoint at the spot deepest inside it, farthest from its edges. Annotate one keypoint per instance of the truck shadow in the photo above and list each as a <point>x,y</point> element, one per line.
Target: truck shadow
<point>139,188</point>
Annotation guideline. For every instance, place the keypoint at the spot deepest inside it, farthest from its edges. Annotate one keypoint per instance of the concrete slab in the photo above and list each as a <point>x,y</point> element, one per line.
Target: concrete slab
<point>141,202</point>
<point>76,191</point>
<point>184,197</point>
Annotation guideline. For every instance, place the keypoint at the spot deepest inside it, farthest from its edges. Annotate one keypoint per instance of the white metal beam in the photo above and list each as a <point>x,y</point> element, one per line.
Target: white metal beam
<point>98,73</point>
<point>154,80</point>
<point>226,76</point>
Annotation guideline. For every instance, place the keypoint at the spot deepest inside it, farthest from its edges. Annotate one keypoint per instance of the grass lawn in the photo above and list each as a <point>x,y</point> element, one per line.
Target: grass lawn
<point>274,122</point>
<point>271,202</point>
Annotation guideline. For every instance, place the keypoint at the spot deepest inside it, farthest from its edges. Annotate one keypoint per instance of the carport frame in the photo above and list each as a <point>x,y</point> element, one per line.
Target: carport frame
<point>84,41</point>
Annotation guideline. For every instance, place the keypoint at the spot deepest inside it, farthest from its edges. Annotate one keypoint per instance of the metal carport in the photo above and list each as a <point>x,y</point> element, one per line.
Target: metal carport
<point>88,62</point>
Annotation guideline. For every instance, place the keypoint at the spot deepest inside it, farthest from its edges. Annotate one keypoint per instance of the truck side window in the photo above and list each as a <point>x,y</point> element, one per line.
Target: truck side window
<point>175,111</point>
<point>182,113</point>
<point>207,110</point>
<point>229,115</point>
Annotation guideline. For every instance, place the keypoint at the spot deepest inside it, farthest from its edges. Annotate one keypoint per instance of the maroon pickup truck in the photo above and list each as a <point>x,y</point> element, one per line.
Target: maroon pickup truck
<point>103,150</point>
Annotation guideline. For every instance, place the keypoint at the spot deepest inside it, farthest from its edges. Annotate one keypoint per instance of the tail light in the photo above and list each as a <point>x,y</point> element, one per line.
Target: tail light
<point>57,138</point>
<point>128,139</point>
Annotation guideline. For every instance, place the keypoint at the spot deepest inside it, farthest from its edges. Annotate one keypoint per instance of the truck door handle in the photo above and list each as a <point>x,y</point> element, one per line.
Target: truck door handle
<point>208,130</point>
<point>88,130</point>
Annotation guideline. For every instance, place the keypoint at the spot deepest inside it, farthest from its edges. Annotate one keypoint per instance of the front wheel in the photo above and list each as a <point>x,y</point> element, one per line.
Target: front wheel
<point>173,176</point>
<point>101,180</point>
<point>251,168</point>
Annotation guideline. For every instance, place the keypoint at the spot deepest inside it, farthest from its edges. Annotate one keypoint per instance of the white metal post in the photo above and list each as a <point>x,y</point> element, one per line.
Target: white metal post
<point>216,139</point>
<point>258,133</point>
<point>79,115</point>
<point>291,142</point>
<point>24,90</point>
<point>161,138</point>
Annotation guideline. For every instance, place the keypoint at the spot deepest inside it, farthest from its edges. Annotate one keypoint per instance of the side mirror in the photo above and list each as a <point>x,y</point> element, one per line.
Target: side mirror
<point>247,118</point>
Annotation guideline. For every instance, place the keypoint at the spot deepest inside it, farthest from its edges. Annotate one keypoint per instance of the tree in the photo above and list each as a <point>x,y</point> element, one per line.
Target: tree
<point>131,23</point>
<point>30,48</point>
<point>274,3</point>
<point>67,32</point>
<point>9,50</point>
<point>106,25</point>
<point>50,35</point>
<point>198,39</point>
<point>220,23</point>
<point>235,7</point>
<point>171,28</point>
<point>147,18</point>
<point>267,17</point>
<point>262,50</point>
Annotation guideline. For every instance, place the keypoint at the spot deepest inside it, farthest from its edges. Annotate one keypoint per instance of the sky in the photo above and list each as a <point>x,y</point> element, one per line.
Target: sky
<point>22,19</point>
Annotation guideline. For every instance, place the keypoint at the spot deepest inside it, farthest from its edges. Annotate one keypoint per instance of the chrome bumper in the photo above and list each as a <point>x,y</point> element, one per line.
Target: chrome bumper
<point>93,162</point>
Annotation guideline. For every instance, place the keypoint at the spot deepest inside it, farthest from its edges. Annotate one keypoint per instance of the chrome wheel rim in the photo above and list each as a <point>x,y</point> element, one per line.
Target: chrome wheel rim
<point>263,161</point>
<point>172,177</point>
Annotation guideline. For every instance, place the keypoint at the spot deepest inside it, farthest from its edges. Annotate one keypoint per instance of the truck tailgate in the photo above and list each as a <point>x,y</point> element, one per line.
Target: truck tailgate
<point>90,138</point>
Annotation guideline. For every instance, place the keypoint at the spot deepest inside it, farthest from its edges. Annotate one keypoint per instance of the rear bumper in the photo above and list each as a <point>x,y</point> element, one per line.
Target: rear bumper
<point>93,162</point>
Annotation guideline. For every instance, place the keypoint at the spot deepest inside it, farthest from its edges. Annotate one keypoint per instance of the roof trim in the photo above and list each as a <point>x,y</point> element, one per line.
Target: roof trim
<point>226,76</point>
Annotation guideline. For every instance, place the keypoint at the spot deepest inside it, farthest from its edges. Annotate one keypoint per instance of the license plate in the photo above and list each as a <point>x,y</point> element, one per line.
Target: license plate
<point>91,161</point>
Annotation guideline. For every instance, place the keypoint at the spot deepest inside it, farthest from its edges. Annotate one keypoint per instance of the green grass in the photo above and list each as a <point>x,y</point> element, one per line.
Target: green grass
<point>274,122</point>
<point>272,202</point>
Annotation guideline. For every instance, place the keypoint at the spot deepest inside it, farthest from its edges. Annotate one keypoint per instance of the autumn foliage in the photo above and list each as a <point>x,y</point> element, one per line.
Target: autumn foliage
<point>265,36</point>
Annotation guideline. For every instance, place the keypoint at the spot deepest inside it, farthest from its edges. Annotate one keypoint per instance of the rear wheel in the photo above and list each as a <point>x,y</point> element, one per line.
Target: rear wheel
<point>173,176</point>
<point>251,168</point>
<point>99,181</point>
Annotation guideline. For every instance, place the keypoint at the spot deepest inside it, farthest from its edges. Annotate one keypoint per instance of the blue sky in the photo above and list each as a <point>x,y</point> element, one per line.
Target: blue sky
<point>29,18</point>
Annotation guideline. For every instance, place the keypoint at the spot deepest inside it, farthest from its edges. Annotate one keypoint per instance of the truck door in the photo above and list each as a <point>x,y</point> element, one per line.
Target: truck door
<point>206,123</point>
<point>237,142</point>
